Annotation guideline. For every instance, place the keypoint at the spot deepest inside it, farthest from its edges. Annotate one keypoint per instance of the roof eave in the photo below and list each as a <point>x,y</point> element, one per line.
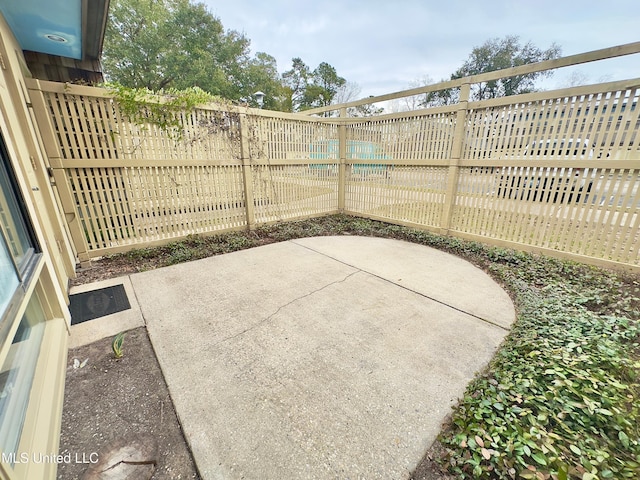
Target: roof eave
<point>95,14</point>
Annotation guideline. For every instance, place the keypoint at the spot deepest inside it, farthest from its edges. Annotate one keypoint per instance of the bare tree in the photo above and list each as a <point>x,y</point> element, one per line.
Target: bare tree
<point>347,92</point>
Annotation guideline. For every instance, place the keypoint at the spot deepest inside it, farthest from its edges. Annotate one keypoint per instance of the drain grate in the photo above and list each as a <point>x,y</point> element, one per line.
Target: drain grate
<point>98,303</point>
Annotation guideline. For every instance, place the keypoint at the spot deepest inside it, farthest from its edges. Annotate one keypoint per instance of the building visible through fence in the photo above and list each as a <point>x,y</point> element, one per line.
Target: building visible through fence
<point>553,171</point>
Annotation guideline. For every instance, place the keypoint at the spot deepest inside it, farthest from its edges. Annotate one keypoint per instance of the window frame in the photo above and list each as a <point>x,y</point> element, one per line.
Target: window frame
<point>26,267</point>
<point>28,271</point>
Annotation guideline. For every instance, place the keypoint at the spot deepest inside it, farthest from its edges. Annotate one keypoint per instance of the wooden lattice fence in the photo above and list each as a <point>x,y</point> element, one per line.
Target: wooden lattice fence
<point>555,172</point>
<point>552,171</point>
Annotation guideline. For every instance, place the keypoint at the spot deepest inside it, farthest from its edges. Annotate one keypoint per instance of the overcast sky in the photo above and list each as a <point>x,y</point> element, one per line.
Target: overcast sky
<point>384,45</point>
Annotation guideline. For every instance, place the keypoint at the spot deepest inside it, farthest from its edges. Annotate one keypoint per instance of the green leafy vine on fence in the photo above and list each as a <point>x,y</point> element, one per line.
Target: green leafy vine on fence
<point>164,109</point>
<point>168,110</point>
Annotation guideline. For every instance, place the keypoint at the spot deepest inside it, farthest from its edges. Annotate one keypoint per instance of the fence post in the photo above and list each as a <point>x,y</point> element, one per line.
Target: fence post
<point>342,156</point>
<point>60,184</point>
<point>456,152</point>
<point>247,173</point>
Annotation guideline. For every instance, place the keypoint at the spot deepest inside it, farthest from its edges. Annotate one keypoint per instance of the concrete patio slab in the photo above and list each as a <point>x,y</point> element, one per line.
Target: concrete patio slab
<point>329,357</point>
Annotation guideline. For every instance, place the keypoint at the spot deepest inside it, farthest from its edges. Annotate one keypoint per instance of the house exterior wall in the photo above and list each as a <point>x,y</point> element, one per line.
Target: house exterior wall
<point>40,298</point>
<point>58,69</point>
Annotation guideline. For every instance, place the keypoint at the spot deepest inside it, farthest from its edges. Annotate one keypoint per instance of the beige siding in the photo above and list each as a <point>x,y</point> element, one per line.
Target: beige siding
<point>50,272</point>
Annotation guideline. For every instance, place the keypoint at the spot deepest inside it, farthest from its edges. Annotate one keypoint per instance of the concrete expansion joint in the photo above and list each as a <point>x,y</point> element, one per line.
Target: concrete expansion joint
<point>135,294</point>
<point>448,305</point>
<point>465,312</point>
<point>281,307</point>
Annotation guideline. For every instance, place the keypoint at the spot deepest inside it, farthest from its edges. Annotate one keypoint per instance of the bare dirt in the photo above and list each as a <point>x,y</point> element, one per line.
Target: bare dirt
<point>111,401</point>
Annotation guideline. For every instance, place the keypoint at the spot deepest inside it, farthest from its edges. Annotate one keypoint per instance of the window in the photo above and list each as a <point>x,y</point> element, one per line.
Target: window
<point>17,243</point>
<point>8,277</point>
<point>17,373</point>
<point>18,237</point>
<point>17,257</point>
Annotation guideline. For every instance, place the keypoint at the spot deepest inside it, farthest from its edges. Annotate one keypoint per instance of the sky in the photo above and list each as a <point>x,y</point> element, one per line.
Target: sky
<point>385,45</point>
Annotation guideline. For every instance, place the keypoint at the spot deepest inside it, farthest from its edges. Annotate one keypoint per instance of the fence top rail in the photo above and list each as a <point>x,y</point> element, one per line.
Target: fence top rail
<point>101,92</point>
<point>510,100</point>
<point>592,89</point>
<point>593,56</point>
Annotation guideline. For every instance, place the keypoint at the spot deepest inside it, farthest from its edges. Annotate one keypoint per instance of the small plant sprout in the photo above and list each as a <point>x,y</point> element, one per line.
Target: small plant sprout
<point>116,345</point>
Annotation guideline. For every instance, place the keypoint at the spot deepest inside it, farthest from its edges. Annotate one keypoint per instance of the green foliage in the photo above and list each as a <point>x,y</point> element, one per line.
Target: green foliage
<point>261,74</point>
<point>116,345</point>
<point>164,108</point>
<point>497,54</point>
<point>195,247</point>
<point>176,44</point>
<point>180,252</point>
<point>494,54</point>
<point>311,89</point>
<point>172,44</point>
<point>559,397</point>
<point>141,254</point>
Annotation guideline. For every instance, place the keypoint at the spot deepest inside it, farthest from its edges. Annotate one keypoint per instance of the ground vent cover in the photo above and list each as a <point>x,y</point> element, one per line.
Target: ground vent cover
<point>98,303</point>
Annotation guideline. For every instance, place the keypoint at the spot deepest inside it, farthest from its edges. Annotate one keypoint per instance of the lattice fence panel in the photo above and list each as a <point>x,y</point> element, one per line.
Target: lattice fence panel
<point>137,205</point>
<point>593,213</point>
<point>94,127</point>
<point>294,191</point>
<point>554,170</point>
<point>287,139</point>
<point>592,125</point>
<point>403,193</point>
<point>415,138</point>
